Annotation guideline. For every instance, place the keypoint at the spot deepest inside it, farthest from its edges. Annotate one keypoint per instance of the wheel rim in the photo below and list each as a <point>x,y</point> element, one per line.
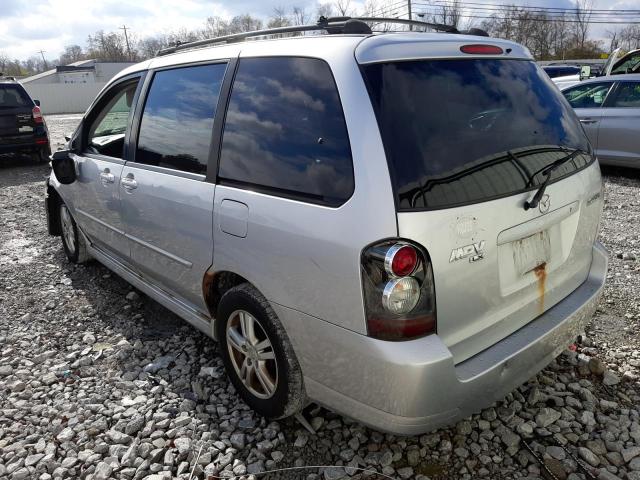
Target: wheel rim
<point>252,354</point>
<point>67,229</point>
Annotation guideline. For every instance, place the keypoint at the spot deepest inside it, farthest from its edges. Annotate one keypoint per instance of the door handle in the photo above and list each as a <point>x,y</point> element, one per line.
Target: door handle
<point>587,120</point>
<point>106,176</point>
<point>129,182</point>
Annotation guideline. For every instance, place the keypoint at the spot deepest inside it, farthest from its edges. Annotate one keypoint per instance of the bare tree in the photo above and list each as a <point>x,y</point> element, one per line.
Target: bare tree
<point>449,13</point>
<point>300,16</point>
<point>244,23</point>
<point>325,10</point>
<point>72,53</point>
<point>4,61</point>
<point>583,11</point>
<point>279,18</point>
<point>343,7</point>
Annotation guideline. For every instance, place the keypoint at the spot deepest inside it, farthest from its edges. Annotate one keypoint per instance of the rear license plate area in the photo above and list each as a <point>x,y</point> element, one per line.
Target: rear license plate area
<point>531,252</point>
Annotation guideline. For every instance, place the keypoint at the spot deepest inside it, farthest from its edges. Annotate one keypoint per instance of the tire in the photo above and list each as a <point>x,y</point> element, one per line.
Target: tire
<point>40,156</point>
<point>272,384</point>
<point>72,241</point>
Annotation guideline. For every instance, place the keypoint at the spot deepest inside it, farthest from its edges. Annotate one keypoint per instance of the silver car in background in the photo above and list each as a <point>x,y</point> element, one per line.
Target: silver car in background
<point>609,110</point>
<point>398,226</point>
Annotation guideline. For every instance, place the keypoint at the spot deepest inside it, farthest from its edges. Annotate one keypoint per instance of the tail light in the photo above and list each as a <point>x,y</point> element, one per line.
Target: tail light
<point>37,114</point>
<point>399,294</point>
<point>481,49</point>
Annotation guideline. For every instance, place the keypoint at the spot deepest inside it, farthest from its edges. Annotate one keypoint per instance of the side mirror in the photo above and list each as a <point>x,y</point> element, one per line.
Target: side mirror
<point>64,167</point>
<point>37,102</point>
<point>67,137</point>
<point>585,72</point>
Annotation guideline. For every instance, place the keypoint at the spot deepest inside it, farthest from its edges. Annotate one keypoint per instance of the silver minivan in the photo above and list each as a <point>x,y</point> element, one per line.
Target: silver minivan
<point>398,226</point>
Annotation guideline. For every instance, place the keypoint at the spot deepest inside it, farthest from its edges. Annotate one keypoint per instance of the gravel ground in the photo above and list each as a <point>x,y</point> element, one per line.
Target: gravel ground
<point>97,381</point>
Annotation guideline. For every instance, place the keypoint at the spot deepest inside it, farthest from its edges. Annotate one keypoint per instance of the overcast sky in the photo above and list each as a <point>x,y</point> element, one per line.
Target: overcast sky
<point>27,27</point>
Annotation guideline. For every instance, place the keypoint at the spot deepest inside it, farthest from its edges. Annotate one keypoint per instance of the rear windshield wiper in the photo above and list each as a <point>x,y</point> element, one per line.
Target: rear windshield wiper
<point>533,203</point>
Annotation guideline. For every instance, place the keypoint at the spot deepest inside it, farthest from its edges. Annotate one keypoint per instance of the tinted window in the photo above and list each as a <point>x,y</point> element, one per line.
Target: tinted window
<point>627,96</point>
<point>464,131</point>
<point>554,72</point>
<point>285,130</point>
<point>590,95</point>
<point>177,122</point>
<point>109,125</point>
<point>13,96</point>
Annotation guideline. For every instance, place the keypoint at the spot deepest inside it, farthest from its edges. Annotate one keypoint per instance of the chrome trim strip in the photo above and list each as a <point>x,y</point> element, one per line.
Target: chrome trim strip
<point>171,256</point>
<point>101,222</point>
<point>166,171</point>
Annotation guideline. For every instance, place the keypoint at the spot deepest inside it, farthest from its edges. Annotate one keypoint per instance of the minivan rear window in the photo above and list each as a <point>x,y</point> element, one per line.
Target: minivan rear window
<point>463,131</point>
<point>12,96</point>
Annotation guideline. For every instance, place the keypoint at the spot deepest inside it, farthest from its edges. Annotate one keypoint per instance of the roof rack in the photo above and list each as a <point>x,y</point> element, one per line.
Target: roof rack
<point>11,79</point>
<point>332,25</point>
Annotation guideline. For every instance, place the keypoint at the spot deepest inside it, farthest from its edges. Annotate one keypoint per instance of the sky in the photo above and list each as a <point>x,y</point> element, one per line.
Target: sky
<point>50,25</point>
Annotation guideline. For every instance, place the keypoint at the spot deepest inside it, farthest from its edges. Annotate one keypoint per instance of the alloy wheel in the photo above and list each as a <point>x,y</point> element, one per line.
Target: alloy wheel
<point>67,228</point>
<point>252,354</point>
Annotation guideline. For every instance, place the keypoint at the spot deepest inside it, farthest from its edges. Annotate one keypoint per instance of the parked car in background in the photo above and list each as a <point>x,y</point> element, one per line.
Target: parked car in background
<point>22,126</point>
<point>399,226</point>
<point>609,110</point>
<point>622,64</point>
<point>618,63</point>
<point>561,70</point>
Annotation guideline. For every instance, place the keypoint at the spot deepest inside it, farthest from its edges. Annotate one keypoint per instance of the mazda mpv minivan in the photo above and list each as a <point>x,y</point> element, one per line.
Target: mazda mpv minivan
<point>398,226</point>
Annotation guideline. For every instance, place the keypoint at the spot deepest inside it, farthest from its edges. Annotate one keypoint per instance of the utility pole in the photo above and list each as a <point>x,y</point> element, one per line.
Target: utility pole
<point>410,18</point>
<point>126,39</point>
<point>46,67</point>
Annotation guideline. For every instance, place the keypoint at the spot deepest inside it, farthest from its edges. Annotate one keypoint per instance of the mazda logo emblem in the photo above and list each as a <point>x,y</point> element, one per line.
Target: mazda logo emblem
<point>545,203</point>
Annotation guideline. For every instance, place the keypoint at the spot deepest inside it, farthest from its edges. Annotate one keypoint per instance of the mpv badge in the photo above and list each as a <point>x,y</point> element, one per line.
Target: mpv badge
<point>545,203</point>
<point>474,252</point>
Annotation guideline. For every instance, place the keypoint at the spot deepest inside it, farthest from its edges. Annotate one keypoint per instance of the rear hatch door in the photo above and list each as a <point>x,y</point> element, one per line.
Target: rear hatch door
<point>469,141</point>
<point>16,120</point>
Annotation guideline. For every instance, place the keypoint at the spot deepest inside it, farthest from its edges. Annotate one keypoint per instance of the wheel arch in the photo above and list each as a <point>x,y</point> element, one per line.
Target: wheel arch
<point>214,286</point>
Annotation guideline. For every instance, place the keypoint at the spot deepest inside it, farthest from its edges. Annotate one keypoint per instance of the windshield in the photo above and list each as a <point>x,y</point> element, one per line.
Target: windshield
<point>464,131</point>
<point>13,96</point>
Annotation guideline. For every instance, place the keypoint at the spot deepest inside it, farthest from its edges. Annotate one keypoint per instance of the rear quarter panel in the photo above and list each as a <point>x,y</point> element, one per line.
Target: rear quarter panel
<point>304,256</point>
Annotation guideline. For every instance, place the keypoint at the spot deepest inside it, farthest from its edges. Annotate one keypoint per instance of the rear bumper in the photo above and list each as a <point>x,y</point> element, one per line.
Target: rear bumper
<point>27,146</point>
<point>413,387</point>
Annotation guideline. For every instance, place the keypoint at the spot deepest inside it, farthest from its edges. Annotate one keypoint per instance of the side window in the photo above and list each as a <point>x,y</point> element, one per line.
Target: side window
<point>177,122</point>
<point>627,96</point>
<point>590,95</point>
<point>108,126</point>
<point>285,130</point>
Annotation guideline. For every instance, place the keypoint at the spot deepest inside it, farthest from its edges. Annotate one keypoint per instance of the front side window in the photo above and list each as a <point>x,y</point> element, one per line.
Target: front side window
<point>177,122</point>
<point>469,130</point>
<point>627,96</point>
<point>590,95</point>
<point>109,125</point>
<point>285,131</point>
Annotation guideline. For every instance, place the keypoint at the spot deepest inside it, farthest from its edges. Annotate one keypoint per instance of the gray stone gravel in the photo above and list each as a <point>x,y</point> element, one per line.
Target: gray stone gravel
<point>97,381</point>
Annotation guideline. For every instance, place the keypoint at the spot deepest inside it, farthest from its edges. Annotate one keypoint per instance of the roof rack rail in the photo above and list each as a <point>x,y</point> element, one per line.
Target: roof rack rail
<point>332,25</point>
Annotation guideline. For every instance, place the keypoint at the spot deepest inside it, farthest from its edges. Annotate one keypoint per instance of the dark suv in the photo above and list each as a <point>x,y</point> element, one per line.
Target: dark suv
<point>22,127</point>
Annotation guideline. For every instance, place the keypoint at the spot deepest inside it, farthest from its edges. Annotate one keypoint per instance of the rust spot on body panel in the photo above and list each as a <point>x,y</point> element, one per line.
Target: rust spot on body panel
<point>541,274</point>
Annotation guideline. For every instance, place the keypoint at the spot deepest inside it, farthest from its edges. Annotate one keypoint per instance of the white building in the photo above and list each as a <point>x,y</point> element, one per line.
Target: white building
<point>71,88</point>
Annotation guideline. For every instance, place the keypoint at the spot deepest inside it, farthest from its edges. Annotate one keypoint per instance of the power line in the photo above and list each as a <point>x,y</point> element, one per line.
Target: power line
<point>531,7</point>
<point>548,20</point>
<point>499,14</point>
